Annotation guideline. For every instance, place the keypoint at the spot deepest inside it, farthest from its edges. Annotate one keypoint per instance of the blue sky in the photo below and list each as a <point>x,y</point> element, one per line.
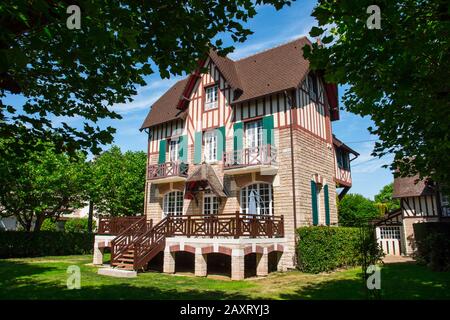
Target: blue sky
<point>270,28</point>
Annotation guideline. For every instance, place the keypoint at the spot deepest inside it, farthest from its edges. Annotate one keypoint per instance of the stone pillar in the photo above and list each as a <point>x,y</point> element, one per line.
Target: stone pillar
<point>237,264</point>
<point>169,261</point>
<point>262,264</point>
<point>201,260</point>
<point>281,265</point>
<point>98,254</point>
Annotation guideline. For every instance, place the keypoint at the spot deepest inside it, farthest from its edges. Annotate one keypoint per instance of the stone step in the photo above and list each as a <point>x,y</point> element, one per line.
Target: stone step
<point>119,273</point>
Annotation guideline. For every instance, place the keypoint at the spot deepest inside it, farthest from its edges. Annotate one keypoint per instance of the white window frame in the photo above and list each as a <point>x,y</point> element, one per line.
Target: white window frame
<point>212,96</point>
<point>174,147</point>
<point>210,144</point>
<point>210,204</point>
<point>173,203</point>
<point>258,187</point>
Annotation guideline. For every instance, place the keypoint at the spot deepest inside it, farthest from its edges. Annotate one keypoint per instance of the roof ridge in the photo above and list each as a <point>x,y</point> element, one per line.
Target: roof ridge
<point>271,48</point>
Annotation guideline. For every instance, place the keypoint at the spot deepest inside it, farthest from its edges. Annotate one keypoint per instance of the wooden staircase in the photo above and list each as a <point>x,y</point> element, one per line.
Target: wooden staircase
<point>138,244</point>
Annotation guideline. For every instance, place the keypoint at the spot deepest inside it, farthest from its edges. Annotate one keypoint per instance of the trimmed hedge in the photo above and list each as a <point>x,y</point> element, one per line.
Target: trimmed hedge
<point>19,244</point>
<point>322,249</point>
<point>433,245</point>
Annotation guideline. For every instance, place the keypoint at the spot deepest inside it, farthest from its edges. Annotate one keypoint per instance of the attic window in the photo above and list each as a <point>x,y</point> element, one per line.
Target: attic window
<point>211,97</point>
<point>312,84</point>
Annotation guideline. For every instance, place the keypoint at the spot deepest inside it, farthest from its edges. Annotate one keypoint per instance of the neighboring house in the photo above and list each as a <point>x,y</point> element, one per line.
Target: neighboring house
<point>238,158</point>
<point>420,201</point>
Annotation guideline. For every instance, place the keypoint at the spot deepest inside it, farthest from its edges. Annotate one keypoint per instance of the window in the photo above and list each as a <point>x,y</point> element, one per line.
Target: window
<point>211,97</point>
<point>210,204</point>
<point>253,141</point>
<point>445,205</point>
<point>173,203</point>
<point>257,199</point>
<point>342,159</point>
<point>174,150</point>
<point>210,142</point>
<point>390,233</point>
<point>319,204</point>
<point>312,84</point>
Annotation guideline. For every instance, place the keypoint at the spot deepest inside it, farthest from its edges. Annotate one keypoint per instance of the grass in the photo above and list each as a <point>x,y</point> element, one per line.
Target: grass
<point>45,278</point>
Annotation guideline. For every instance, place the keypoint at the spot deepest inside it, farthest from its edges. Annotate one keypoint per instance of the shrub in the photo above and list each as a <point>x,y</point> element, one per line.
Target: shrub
<point>323,249</point>
<point>18,244</point>
<point>77,225</point>
<point>433,245</point>
<point>49,225</point>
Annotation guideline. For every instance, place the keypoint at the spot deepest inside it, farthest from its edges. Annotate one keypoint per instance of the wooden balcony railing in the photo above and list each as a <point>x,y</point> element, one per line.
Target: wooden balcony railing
<point>262,155</point>
<point>167,169</point>
<point>226,225</point>
<point>115,225</point>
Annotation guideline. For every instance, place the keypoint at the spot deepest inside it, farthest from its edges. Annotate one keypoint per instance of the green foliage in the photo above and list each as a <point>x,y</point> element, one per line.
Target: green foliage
<point>384,200</point>
<point>82,73</point>
<point>355,209</point>
<point>49,225</point>
<point>77,225</point>
<point>397,75</point>
<point>118,182</point>
<point>16,244</point>
<point>433,245</point>
<point>323,249</point>
<point>40,185</point>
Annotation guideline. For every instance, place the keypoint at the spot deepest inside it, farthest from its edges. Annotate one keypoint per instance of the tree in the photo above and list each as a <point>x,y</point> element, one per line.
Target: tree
<point>41,185</point>
<point>384,200</point>
<point>118,182</point>
<point>398,75</point>
<point>355,209</point>
<point>64,73</point>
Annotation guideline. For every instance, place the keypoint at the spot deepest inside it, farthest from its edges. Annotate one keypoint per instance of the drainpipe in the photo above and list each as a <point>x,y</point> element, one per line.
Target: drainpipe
<point>289,99</point>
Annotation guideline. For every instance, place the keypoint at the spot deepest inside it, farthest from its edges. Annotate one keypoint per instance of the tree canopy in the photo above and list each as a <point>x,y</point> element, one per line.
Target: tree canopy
<point>41,185</point>
<point>64,73</point>
<point>384,200</point>
<point>354,209</point>
<point>398,75</point>
<point>118,182</point>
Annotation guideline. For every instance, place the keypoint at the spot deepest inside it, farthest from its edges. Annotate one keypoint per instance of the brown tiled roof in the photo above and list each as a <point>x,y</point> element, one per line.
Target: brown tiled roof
<point>338,143</point>
<point>274,70</point>
<point>407,187</point>
<point>164,110</point>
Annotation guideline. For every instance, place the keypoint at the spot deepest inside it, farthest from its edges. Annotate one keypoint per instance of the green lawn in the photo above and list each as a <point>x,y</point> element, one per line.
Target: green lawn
<point>45,278</point>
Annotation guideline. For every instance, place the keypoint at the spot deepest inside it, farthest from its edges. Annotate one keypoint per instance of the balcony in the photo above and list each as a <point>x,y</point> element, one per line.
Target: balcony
<point>343,177</point>
<point>115,225</point>
<point>255,159</point>
<point>167,172</point>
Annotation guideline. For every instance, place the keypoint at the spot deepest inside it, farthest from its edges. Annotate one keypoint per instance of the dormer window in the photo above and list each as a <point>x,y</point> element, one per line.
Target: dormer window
<point>312,85</point>
<point>211,97</point>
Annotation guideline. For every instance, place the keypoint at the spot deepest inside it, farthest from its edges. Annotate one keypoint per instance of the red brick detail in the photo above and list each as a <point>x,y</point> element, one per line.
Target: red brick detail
<point>174,248</point>
<point>280,248</point>
<point>190,249</point>
<point>225,250</point>
<point>102,244</point>
<point>206,250</point>
<point>270,248</point>
<point>248,250</point>
<point>259,249</point>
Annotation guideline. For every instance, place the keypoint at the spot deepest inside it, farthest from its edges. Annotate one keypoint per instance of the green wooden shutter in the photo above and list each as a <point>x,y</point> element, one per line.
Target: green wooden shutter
<point>327,205</point>
<point>198,147</point>
<point>162,151</point>
<point>221,140</point>
<point>315,213</point>
<point>183,148</point>
<point>238,136</point>
<point>267,124</point>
